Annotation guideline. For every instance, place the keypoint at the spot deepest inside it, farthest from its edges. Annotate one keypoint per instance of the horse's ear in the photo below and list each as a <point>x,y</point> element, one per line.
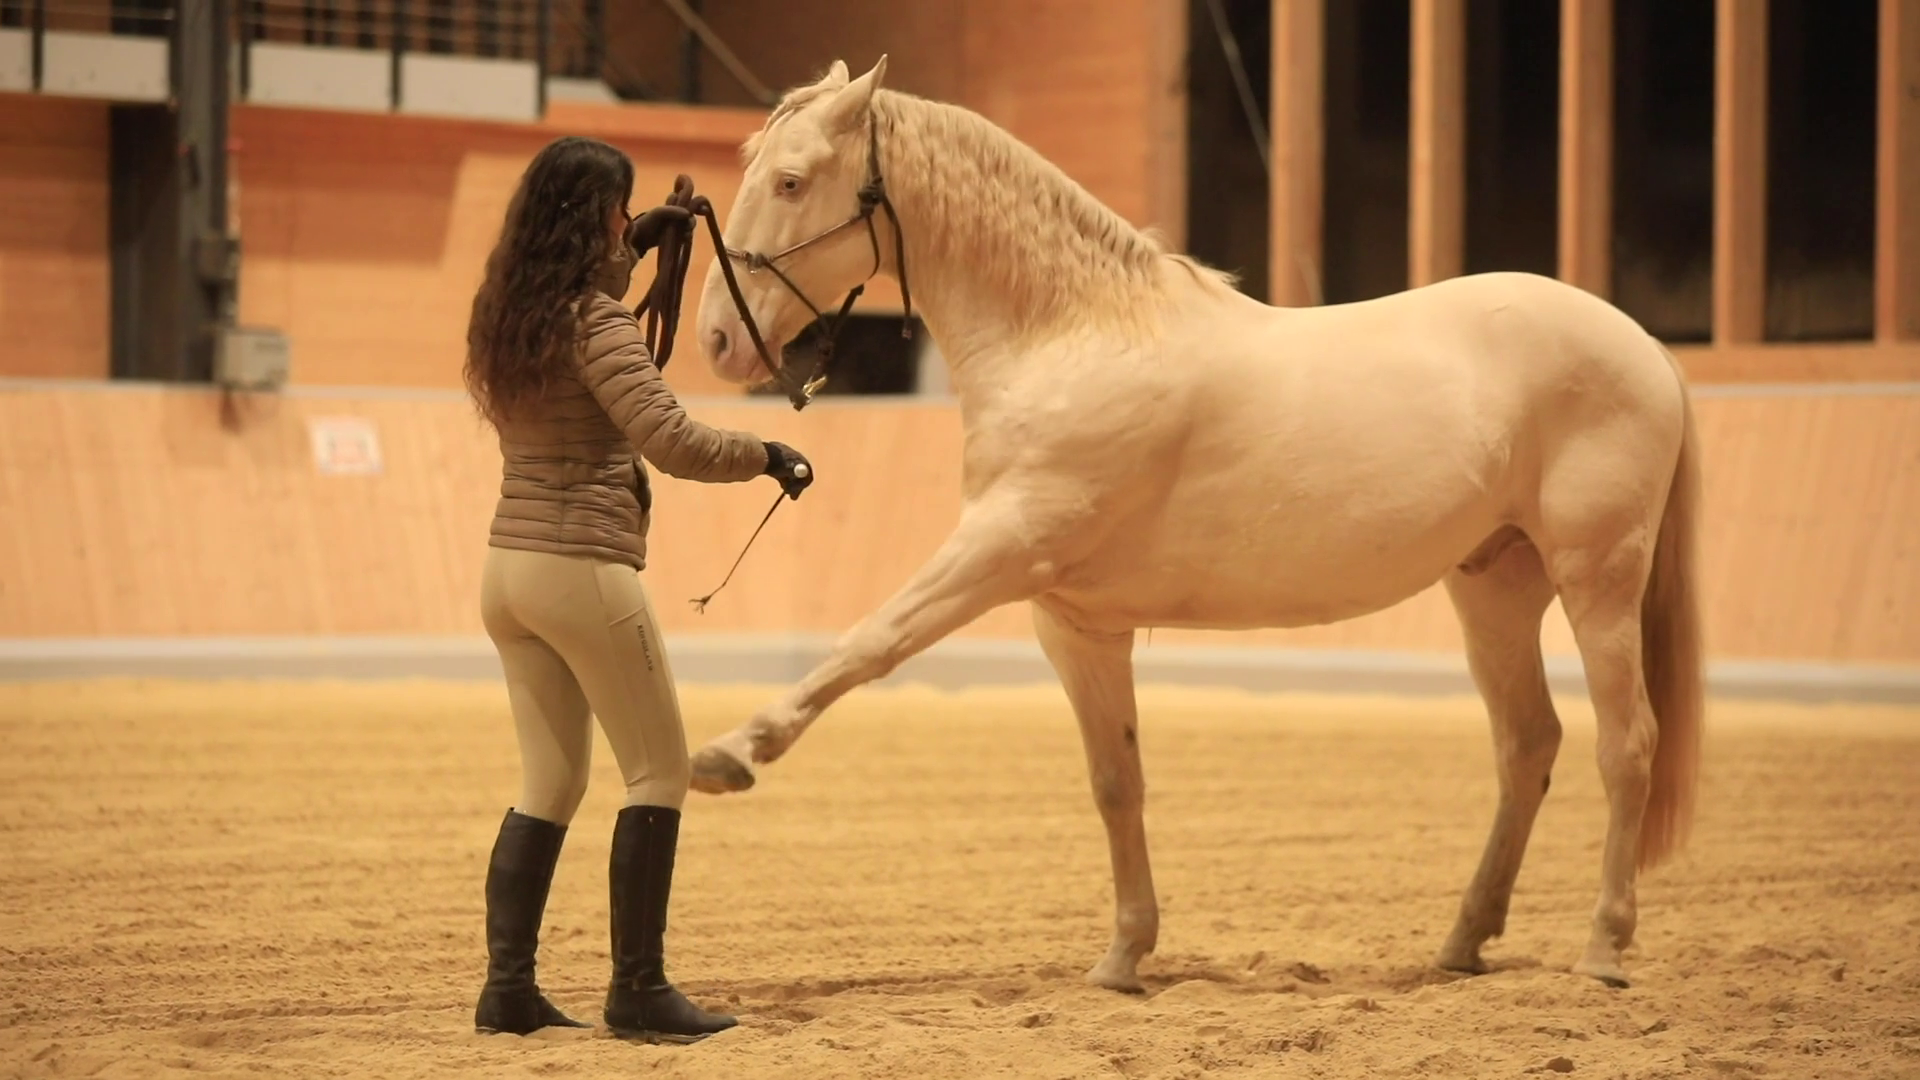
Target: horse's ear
<point>849,106</point>
<point>838,74</point>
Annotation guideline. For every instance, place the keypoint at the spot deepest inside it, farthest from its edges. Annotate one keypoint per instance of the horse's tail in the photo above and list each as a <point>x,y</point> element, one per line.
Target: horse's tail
<point>1672,655</point>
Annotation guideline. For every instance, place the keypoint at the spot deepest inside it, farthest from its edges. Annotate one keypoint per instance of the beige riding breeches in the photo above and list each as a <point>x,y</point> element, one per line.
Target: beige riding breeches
<point>577,640</point>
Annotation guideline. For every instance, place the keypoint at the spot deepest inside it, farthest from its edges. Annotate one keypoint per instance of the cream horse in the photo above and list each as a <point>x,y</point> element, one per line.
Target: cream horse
<point>1147,447</point>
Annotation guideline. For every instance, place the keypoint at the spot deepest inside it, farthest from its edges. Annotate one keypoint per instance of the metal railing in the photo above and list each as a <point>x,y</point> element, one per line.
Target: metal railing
<point>565,38</point>
<point>136,18</point>
<point>489,28</point>
<point>130,18</point>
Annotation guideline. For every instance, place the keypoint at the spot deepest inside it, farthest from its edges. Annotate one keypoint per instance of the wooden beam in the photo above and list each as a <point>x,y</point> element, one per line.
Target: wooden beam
<point>1740,171</point>
<point>1897,257</point>
<point>1297,181</point>
<point>1586,144</point>
<point>1437,156</point>
<point>1834,362</point>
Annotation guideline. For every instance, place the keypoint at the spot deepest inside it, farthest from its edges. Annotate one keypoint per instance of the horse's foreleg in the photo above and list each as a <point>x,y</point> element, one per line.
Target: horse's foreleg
<point>985,563</point>
<point>1097,672</point>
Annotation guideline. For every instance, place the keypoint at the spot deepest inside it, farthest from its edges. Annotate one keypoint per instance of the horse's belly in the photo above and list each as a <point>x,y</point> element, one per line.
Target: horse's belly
<point>1197,585</point>
<point>1250,547</point>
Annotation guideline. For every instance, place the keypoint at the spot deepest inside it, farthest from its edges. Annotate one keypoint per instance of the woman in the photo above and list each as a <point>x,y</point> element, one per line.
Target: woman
<point>561,370</point>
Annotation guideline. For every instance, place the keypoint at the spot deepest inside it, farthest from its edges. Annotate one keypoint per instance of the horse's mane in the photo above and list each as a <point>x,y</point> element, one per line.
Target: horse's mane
<point>1054,248</point>
<point>1053,243</point>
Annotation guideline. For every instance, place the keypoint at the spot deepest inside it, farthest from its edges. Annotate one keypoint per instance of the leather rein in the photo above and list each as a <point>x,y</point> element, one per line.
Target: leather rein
<point>661,305</point>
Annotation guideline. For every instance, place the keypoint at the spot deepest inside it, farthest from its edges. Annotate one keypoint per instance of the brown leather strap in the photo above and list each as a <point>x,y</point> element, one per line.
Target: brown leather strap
<point>661,305</point>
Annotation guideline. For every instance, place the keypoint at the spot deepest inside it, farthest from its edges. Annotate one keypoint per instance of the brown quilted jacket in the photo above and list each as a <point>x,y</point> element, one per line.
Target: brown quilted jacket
<point>570,484</point>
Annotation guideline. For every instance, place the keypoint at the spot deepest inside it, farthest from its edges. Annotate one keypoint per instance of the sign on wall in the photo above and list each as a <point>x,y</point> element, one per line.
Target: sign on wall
<point>344,445</point>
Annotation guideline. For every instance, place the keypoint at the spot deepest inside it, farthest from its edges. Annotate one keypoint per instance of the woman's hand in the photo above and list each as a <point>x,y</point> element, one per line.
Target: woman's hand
<point>650,229</point>
<point>786,465</point>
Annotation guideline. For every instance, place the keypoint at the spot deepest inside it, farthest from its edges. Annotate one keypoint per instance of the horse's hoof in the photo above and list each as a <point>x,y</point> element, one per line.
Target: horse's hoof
<point>716,772</point>
<point>1464,961</point>
<point>1109,977</point>
<point>1610,973</point>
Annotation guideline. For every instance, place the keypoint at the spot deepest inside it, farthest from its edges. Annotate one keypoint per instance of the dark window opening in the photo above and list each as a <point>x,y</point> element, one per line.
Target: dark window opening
<point>140,18</point>
<point>1364,250</point>
<point>871,357</point>
<point>1513,136</point>
<point>1227,188</point>
<point>1821,68</point>
<point>1663,166</point>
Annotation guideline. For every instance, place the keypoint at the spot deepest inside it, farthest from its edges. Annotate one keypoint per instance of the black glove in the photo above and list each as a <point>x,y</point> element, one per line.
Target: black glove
<point>786,465</point>
<point>647,231</point>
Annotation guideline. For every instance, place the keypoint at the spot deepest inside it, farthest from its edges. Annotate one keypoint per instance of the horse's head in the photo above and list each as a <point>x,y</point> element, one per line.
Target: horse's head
<point>797,236</point>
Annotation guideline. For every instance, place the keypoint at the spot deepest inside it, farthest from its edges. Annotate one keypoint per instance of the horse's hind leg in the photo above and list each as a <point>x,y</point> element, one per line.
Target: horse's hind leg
<point>1500,604</point>
<point>1602,591</point>
<point>1097,672</point>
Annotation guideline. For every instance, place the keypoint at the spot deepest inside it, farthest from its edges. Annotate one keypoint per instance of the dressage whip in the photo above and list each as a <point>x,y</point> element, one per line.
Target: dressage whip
<point>700,603</point>
<point>661,306</point>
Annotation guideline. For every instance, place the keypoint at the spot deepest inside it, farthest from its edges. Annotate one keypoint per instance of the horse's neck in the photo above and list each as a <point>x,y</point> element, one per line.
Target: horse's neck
<point>972,256</point>
<point>976,341</point>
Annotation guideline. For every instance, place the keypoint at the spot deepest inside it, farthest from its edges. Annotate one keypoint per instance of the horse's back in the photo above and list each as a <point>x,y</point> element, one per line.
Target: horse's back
<point>1371,446</point>
<point>1583,377</point>
<point>1555,378</point>
<point>1534,325</point>
<point>1502,353</point>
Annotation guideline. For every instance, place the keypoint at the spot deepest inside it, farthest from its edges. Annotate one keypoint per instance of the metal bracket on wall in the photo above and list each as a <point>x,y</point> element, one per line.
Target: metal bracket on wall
<point>216,258</point>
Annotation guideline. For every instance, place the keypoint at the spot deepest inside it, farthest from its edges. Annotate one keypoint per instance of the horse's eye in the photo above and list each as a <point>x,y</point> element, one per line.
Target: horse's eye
<point>789,185</point>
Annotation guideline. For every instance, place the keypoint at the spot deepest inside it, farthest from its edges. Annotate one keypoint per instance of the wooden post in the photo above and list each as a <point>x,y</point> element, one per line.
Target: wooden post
<point>1167,120</point>
<point>1586,144</point>
<point>1298,149</point>
<point>1896,270</point>
<point>397,45</point>
<point>37,44</point>
<point>1437,156</point>
<point>542,50</point>
<point>1739,172</point>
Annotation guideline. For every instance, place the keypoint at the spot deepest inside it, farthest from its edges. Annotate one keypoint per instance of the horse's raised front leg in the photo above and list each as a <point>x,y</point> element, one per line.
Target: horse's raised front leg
<point>1097,672</point>
<point>989,560</point>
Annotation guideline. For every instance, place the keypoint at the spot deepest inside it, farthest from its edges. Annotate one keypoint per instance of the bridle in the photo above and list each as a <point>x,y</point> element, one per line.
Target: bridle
<point>872,196</point>
<point>661,305</point>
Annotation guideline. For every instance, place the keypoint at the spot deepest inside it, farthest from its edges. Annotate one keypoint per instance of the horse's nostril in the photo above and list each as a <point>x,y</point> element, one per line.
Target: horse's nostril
<point>719,343</point>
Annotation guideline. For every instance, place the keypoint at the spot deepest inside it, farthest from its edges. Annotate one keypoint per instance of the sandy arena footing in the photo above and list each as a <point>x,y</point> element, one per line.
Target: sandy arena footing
<point>284,879</point>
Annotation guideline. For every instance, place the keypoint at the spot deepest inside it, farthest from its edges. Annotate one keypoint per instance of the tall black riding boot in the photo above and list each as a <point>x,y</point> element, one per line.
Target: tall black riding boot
<point>518,877</point>
<point>641,1004</point>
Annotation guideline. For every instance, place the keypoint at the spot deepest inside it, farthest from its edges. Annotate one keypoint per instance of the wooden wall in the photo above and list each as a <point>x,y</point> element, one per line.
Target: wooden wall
<point>135,511</point>
<point>364,232</point>
<point>1095,85</point>
<point>365,235</point>
<point>53,237</point>
<point>130,511</point>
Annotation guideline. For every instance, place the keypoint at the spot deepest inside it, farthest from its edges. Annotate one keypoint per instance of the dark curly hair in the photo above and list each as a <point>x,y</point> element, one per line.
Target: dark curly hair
<point>523,327</point>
